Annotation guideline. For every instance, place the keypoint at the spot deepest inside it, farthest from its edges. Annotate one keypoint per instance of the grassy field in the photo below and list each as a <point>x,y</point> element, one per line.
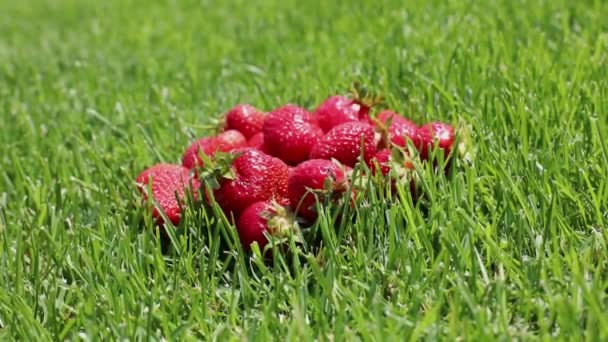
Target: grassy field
<point>512,246</point>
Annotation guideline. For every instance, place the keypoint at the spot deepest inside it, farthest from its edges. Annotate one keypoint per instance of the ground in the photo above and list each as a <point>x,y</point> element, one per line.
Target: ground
<point>510,245</point>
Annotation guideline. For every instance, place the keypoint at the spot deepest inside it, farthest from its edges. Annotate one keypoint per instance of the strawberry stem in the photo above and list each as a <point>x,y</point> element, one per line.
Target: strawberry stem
<point>365,97</point>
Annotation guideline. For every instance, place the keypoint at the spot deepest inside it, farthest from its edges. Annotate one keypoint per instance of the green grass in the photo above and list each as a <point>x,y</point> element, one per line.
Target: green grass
<point>511,246</point>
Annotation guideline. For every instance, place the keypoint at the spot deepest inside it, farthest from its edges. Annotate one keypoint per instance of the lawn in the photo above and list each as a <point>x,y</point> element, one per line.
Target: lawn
<point>510,245</point>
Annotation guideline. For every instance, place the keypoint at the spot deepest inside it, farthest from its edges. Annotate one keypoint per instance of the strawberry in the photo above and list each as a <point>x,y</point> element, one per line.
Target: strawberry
<point>381,160</point>
<point>254,176</point>
<point>169,184</point>
<point>289,133</point>
<point>231,139</point>
<point>261,218</point>
<point>257,141</point>
<point>343,143</point>
<point>314,174</point>
<point>338,109</point>
<point>246,119</point>
<point>435,134</point>
<point>223,142</point>
<point>394,165</point>
<point>400,128</point>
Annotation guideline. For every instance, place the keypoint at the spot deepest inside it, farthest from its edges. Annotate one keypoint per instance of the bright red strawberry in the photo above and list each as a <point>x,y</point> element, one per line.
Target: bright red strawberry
<point>255,176</point>
<point>167,181</point>
<point>337,110</point>
<point>290,132</point>
<point>246,119</point>
<point>400,128</point>
<point>435,134</point>
<point>223,142</point>
<point>261,218</point>
<point>314,174</point>
<point>343,143</point>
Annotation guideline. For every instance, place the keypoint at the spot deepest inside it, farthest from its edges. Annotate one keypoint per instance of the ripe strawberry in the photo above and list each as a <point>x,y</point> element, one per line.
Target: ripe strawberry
<point>382,160</point>
<point>289,133</point>
<point>262,218</point>
<point>435,134</point>
<point>231,139</point>
<point>385,159</point>
<point>223,142</point>
<point>256,141</point>
<point>314,174</point>
<point>337,110</point>
<point>254,176</point>
<point>395,165</point>
<point>343,143</point>
<point>400,128</point>
<point>167,180</point>
<point>246,119</point>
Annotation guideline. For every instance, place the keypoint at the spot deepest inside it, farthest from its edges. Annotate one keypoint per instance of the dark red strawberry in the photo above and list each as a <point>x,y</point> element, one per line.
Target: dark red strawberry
<point>318,175</point>
<point>337,110</point>
<point>254,176</point>
<point>289,133</point>
<point>223,142</point>
<point>167,183</point>
<point>400,128</point>
<point>261,218</point>
<point>435,135</point>
<point>246,119</point>
<point>343,143</point>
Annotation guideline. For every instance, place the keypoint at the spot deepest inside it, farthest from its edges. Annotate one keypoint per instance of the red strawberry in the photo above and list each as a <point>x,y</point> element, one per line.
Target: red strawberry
<point>395,165</point>
<point>262,218</point>
<point>382,160</point>
<point>314,174</point>
<point>167,180</point>
<point>256,141</point>
<point>255,176</point>
<point>231,139</point>
<point>343,143</point>
<point>289,133</point>
<point>246,119</point>
<point>435,134</point>
<point>400,128</point>
<point>385,160</point>
<point>223,142</point>
<point>338,109</point>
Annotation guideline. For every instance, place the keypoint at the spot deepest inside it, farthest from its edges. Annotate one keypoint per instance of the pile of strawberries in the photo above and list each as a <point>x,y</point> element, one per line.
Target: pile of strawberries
<point>270,172</point>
